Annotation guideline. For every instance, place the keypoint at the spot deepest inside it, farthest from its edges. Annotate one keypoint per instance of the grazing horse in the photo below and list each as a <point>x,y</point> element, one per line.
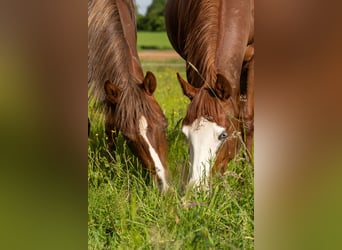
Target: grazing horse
<point>215,39</point>
<point>116,79</point>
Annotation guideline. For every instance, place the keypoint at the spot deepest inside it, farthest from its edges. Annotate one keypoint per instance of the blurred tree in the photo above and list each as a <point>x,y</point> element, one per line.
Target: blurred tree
<point>154,18</point>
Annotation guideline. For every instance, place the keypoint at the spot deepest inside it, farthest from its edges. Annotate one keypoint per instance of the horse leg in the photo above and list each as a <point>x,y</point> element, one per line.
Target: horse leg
<point>249,107</point>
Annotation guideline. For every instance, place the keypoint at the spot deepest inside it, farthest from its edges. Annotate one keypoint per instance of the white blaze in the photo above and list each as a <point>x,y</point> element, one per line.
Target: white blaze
<point>159,166</point>
<point>203,137</point>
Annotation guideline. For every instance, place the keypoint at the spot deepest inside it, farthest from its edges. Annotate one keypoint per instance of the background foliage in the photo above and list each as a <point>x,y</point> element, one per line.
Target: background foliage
<point>154,18</point>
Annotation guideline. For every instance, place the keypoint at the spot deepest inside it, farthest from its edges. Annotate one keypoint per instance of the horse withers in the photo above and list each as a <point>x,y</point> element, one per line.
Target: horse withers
<point>116,79</point>
<point>212,37</point>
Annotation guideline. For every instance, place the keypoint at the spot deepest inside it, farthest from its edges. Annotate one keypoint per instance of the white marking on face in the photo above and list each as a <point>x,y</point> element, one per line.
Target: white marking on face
<point>204,139</point>
<point>158,165</point>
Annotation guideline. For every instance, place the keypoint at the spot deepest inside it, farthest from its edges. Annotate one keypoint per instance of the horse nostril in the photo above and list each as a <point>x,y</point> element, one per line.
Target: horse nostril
<point>223,136</point>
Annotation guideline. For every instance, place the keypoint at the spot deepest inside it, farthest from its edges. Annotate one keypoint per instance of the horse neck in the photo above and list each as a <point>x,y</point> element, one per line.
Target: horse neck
<point>216,39</point>
<point>234,30</point>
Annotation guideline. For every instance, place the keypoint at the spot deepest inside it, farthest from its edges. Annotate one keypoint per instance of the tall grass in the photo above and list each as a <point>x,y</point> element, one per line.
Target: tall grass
<point>126,210</point>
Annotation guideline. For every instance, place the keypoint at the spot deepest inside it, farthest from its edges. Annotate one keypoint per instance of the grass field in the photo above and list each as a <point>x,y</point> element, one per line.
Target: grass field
<point>153,40</point>
<point>125,209</point>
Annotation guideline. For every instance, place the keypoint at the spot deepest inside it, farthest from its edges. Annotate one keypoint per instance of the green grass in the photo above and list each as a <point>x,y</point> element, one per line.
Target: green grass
<point>153,40</point>
<point>126,210</point>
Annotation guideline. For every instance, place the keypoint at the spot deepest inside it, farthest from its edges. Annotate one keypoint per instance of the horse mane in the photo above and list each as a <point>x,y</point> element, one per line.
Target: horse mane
<point>111,57</point>
<point>200,46</point>
<point>109,53</point>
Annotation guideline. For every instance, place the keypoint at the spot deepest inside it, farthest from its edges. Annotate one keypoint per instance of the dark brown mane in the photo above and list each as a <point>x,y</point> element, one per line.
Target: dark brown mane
<point>202,28</point>
<point>110,55</point>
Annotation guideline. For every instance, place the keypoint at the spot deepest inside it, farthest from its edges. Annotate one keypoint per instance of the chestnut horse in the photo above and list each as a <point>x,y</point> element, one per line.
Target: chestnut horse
<point>116,79</point>
<point>215,38</point>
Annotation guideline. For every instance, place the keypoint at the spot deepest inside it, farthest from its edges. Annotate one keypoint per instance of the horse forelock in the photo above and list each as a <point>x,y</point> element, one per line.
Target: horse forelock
<point>135,103</point>
<point>203,105</point>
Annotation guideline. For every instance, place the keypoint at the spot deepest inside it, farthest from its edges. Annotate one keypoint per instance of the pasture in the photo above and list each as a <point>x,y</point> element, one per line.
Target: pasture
<point>153,40</point>
<point>125,209</point>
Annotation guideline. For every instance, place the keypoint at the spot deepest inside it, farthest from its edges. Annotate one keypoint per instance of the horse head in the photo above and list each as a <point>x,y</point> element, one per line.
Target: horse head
<point>139,117</point>
<point>210,125</point>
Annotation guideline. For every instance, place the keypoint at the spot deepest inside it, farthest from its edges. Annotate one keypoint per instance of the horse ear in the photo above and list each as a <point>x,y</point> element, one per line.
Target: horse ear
<point>150,83</point>
<point>188,90</point>
<point>113,92</point>
<point>222,87</point>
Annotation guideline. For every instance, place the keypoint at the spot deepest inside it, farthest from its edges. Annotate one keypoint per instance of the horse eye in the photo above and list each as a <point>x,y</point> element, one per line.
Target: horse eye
<point>223,136</point>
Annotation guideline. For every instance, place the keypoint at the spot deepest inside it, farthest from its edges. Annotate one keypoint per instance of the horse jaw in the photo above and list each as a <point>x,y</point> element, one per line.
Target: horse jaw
<point>203,137</point>
<point>156,160</point>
